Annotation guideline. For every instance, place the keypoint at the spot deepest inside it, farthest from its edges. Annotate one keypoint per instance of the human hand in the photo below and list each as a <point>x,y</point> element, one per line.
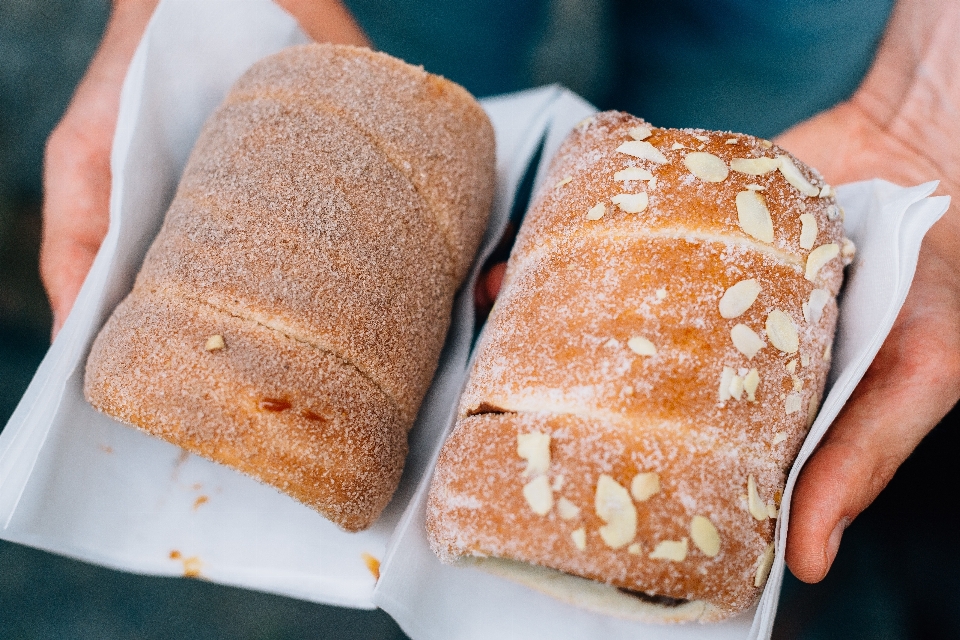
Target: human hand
<point>901,126</point>
<point>76,172</point>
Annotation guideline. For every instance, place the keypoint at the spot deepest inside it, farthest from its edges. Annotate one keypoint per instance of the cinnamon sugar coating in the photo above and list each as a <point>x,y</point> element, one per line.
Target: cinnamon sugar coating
<point>325,218</point>
<point>608,337</point>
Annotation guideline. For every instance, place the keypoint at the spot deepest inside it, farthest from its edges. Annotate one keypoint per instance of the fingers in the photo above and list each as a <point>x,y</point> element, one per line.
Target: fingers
<point>75,215</point>
<point>488,287</point>
<point>327,21</point>
<point>76,176</point>
<point>911,385</point>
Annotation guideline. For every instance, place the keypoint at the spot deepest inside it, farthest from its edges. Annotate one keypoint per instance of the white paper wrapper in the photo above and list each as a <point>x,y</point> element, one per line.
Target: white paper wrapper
<point>75,482</point>
<point>887,223</point>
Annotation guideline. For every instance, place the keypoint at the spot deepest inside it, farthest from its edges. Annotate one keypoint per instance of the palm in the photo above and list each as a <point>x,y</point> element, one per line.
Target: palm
<point>915,378</point>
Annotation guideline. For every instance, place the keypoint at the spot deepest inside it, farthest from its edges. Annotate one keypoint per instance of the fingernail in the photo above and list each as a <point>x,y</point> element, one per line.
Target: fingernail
<point>833,543</point>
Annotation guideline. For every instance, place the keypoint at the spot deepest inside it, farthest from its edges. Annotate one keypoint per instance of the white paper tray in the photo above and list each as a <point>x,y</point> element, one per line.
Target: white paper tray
<point>75,482</point>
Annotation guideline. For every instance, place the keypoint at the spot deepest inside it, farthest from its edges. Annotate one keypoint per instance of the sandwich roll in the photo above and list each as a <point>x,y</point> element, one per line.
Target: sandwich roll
<point>648,374</point>
<point>289,316</point>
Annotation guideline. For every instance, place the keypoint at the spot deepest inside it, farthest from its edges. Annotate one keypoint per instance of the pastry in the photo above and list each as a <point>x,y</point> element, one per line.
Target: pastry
<point>289,316</point>
<point>647,375</point>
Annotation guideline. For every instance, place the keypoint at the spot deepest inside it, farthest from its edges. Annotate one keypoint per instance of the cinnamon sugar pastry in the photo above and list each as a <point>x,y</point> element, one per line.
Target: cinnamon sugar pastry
<point>289,316</point>
<point>647,376</point>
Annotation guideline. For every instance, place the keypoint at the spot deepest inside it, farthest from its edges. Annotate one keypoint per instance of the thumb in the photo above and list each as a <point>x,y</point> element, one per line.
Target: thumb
<point>911,385</point>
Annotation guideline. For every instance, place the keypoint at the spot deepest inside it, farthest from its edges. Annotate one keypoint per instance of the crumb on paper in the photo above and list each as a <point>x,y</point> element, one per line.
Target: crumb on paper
<point>106,448</point>
<point>191,565</point>
<point>201,500</point>
<point>373,565</point>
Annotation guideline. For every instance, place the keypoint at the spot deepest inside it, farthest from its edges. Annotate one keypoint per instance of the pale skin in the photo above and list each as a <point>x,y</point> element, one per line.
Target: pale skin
<point>902,124</point>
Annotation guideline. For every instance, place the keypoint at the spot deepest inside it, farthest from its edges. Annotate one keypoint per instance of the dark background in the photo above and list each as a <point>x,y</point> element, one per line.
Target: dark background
<point>751,66</point>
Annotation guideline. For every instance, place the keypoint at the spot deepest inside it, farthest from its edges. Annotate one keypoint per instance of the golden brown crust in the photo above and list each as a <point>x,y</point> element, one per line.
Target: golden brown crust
<point>293,416</point>
<point>560,357</point>
<point>430,129</point>
<point>326,216</point>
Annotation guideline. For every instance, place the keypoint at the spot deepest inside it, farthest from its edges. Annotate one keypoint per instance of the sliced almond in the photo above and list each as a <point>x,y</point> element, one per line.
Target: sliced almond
<point>754,166</point>
<point>792,366</point>
<point>827,352</point>
<point>634,549</point>
<point>813,407</point>
<point>563,182</point>
<point>819,257</point>
<point>726,377</point>
<point>779,437</point>
<point>706,166</point>
<point>772,511</point>
<point>796,178</point>
<point>702,138</point>
<point>579,537</point>
<point>764,564</point>
<point>645,485</point>
<point>632,173</point>
<point>781,332</point>
<point>558,482</point>
<point>661,294</point>
<point>826,191</point>
<point>757,507</point>
<point>738,298</point>
<point>833,212</point>
<point>736,387</point>
<point>746,340</point>
<point>804,360</point>
<point>848,250</point>
<point>640,133</point>
<point>677,146</point>
<point>643,150</point>
<point>567,510</point>
<point>614,506</point>
<point>641,346</point>
<point>731,141</point>
<point>631,202</point>
<point>750,384</point>
<point>766,144</point>
<point>793,402</point>
<point>675,550</point>
<point>797,383</point>
<point>818,300</point>
<point>597,211</point>
<point>753,216</point>
<point>535,449</point>
<point>539,495</point>
<point>652,183</point>
<point>705,536</point>
<point>808,231</point>
<point>215,343</point>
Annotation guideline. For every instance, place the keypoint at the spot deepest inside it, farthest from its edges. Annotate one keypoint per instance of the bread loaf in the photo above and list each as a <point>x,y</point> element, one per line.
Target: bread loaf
<point>289,316</point>
<point>646,378</point>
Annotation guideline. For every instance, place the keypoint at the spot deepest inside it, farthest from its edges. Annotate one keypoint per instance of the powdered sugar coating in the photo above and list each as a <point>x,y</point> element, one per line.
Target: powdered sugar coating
<point>554,357</point>
<point>322,225</point>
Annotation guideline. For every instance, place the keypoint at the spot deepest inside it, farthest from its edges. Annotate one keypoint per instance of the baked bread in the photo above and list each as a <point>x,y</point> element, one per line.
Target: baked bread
<point>289,316</point>
<point>647,376</point>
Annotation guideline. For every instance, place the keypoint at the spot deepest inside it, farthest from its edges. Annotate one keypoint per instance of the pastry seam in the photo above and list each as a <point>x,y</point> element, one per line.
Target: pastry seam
<point>322,105</point>
<point>265,325</point>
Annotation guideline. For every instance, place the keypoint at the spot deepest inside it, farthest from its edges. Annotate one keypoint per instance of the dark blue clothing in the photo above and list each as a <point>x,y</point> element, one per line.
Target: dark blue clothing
<point>756,66</point>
